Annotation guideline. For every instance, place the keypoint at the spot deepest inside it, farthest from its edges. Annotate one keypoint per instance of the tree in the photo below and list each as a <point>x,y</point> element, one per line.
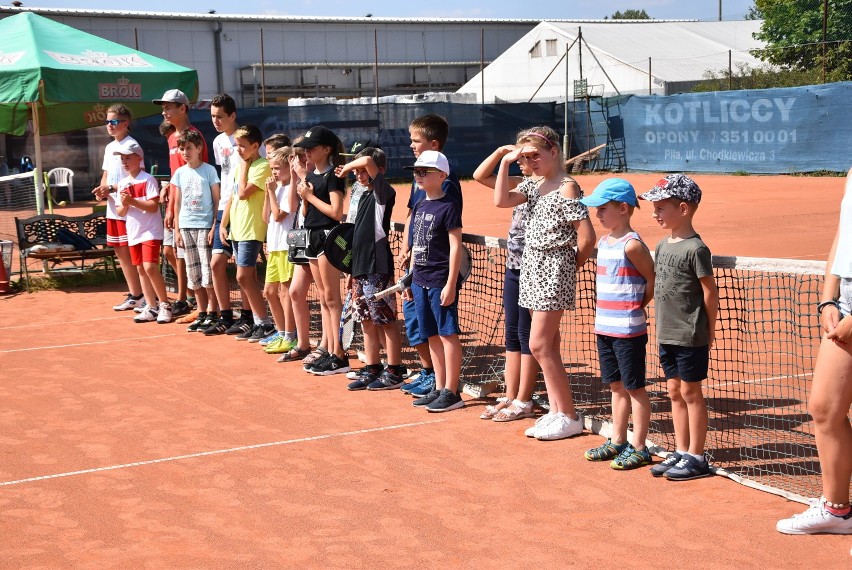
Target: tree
<point>792,30</point>
<point>630,15</point>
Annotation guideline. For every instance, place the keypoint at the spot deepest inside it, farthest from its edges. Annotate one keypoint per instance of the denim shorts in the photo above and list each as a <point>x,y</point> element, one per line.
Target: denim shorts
<point>689,363</point>
<point>218,246</point>
<point>246,252</point>
<point>412,329</point>
<point>432,318</point>
<point>623,360</point>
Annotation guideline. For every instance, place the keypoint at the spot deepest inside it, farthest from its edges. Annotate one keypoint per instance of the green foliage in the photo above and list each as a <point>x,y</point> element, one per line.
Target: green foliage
<point>744,76</point>
<point>792,30</point>
<point>630,15</point>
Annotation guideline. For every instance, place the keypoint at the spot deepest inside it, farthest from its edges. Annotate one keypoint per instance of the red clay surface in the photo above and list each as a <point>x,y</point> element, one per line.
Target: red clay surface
<point>141,418</point>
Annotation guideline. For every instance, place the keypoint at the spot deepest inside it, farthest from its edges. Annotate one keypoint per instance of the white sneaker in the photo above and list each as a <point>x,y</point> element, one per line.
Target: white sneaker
<point>165,313</point>
<point>560,427</point>
<point>816,520</point>
<point>149,315</point>
<point>128,303</point>
<point>541,421</point>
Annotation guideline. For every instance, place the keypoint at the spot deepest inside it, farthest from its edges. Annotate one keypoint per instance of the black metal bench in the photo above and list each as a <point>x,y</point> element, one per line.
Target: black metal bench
<point>42,230</point>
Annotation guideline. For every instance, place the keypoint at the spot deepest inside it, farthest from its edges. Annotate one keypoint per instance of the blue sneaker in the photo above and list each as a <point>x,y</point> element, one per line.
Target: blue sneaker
<point>412,382</point>
<point>266,340</point>
<point>424,386</point>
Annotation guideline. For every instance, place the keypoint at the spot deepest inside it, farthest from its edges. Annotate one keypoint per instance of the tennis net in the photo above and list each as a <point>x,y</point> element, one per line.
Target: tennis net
<point>766,341</point>
<point>767,335</point>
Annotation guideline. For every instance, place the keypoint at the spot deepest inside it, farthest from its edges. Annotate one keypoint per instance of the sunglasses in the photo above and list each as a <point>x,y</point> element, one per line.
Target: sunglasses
<point>114,122</point>
<point>422,172</point>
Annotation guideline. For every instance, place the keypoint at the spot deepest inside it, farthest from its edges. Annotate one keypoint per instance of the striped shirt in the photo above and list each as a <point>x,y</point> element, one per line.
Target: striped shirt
<point>620,290</point>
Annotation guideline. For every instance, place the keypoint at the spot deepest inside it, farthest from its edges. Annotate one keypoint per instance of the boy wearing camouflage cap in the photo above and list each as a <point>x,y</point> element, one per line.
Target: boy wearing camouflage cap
<point>686,302</point>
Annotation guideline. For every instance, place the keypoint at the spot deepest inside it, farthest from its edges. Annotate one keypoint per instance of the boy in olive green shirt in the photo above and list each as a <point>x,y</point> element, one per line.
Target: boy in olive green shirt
<point>247,232</point>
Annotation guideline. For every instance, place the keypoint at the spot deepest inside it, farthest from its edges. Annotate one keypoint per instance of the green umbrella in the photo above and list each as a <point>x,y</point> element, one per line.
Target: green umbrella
<point>64,79</point>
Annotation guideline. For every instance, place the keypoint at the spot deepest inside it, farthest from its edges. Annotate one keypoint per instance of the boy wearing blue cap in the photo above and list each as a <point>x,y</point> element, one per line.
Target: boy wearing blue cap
<point>686,303</point>
<point>625,286</point>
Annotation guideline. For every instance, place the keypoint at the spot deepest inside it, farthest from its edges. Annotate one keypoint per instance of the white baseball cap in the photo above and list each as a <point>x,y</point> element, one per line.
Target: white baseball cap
<point>431,159</point>
<point>172,96</point>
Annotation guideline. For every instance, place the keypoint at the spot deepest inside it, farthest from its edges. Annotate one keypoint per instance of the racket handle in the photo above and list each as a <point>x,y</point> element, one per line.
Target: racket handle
<point>393,290</point>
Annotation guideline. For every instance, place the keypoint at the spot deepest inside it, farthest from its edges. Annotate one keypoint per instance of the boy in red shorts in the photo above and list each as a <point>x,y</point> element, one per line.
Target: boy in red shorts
<point>139,200</point>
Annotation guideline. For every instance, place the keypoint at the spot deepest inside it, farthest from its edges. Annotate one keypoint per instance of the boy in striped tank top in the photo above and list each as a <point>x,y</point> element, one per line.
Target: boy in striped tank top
<point>625,285</point>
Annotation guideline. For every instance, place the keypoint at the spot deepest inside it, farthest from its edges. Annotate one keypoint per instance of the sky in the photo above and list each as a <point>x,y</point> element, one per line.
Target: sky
<point>540,10</point>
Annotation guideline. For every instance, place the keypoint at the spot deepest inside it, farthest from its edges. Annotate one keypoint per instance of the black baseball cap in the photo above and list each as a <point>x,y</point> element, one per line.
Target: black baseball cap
<point>318,136</point>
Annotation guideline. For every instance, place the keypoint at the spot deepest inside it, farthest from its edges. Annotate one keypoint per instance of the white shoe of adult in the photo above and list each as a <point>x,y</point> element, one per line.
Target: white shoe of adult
<point>541,421</point>
<point>164,315</point>
<point>816,520</point>
<point>560,427</point>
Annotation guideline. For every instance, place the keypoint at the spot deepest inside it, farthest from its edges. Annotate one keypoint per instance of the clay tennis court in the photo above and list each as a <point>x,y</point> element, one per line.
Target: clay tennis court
<point>139,445</point>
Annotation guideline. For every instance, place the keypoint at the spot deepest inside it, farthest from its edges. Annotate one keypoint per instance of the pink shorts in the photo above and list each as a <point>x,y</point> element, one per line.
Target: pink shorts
<point>146,252</point>
<point>116,232</point>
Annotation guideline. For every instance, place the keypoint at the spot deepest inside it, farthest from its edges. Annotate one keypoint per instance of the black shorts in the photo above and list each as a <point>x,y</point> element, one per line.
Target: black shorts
<point>689,363</point>
<point>316,242</point>
<point>623,360</point>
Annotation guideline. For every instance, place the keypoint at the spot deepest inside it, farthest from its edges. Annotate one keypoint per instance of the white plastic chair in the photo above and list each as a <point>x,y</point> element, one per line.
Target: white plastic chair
<point>62,178</point>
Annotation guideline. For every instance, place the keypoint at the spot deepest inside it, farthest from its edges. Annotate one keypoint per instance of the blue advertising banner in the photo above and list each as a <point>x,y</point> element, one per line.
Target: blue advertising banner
<point>797,129</point>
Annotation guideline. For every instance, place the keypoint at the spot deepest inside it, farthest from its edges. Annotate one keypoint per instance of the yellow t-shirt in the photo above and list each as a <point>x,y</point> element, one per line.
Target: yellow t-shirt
<point>246,216</point>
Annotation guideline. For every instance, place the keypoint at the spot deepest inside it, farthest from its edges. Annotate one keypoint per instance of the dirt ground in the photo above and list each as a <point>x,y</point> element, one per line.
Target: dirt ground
<point>126,445</point>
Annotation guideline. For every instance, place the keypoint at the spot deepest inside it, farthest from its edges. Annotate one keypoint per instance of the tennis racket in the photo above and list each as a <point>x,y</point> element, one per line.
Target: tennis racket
<point>347,322</point>
<point>404,283</point>
<point>338,247</point>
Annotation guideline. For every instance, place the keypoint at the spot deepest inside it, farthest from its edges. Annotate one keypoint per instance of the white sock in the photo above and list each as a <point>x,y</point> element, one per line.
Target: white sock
<point>698,457</point>
<point>681,452</point>
<point>289,335</point>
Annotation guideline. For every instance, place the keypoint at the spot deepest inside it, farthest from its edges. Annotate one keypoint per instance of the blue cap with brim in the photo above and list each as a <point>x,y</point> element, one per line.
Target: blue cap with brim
<point>612,190</point>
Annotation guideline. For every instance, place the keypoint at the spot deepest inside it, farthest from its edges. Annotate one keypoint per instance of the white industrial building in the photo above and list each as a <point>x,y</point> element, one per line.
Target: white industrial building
<point>269,58</point>
<point>615,57</point>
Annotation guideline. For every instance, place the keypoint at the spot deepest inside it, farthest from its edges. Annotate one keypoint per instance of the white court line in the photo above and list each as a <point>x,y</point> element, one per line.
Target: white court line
<point>216,452</point>
<point>759,380</point>
<point>86,343</point>
<point>63,323</point>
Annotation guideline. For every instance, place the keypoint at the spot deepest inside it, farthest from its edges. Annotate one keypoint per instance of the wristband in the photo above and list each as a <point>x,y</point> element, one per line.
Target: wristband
<point>825,304</point>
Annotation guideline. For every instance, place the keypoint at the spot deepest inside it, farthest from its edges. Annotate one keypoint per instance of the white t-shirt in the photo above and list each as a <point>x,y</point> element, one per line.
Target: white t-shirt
<point>225,154</point>
<point>276,232</point>
<point>142,226</point>
<point>842,266</point>
<point>115,172</point>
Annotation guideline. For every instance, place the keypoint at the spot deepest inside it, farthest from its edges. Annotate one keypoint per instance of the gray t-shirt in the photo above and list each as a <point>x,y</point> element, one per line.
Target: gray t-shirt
<point>678,297</point>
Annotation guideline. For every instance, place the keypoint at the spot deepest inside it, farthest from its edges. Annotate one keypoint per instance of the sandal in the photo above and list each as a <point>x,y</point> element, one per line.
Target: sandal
<point>491,411</point>
<point>631,458</point>
<point>312,357</point>
<point>294,354</point>
<point>606,451</point>
<point>517,410</point>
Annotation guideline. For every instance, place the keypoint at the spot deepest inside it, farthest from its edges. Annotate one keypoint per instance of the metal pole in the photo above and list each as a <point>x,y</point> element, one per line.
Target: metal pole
<point>136,38</point>
<point>376,64</point>
<point>730,72</point>
<point>39,177</point>
<point>720,10</point>
<point>580,48</point>
<point>482,63</point>
<point>565,149</point>
<point>262,72</point>
<point>824,34</point>
<point>650,80</point>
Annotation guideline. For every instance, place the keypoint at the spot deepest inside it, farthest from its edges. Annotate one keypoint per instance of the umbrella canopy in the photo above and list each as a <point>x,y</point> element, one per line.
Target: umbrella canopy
<point>74,76</point>
<point>64,79</point>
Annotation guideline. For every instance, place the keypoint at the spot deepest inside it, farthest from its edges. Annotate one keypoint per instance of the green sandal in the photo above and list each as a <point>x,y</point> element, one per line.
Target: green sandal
<point>631,458</point>
<point>606,451</point>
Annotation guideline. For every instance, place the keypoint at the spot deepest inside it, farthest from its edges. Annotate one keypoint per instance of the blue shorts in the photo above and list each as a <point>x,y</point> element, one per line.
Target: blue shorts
<point>412,329</point>
<point>218,246</point>
<point>623,360</point>
<point>246,252</point>
<point>432,318</point>
<point>689,363</point>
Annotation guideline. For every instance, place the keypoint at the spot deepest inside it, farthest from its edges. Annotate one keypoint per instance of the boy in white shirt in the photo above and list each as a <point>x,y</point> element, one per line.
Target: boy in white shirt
<point>139,200</point>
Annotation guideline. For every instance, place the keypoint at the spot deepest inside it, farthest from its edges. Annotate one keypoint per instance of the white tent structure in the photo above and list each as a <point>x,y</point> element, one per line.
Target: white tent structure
<point>615,57</point>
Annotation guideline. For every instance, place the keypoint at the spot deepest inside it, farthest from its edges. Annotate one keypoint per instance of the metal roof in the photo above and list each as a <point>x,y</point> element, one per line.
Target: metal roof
<point>676,49</point>
<point>88,13</point>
